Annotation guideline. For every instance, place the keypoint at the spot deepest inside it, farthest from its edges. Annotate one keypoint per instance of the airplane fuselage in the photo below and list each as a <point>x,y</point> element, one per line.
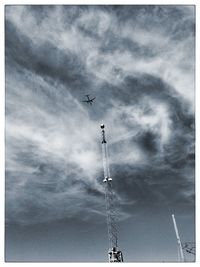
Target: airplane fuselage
<point>89,100</point>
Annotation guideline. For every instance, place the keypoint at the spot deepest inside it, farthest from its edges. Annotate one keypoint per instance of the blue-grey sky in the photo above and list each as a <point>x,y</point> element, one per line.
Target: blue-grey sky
<point>139,63</point>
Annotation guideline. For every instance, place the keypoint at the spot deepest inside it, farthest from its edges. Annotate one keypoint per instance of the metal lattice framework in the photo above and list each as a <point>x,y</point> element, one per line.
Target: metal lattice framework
<point>114,254</point>
<point>189,247</point>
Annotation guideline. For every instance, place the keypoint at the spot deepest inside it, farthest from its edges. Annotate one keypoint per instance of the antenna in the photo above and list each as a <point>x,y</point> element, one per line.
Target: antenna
<point>180,250</point>
<point>114,255</point>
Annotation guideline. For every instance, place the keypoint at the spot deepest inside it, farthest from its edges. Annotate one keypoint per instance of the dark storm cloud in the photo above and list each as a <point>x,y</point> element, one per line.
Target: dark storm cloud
<point>139,63</point>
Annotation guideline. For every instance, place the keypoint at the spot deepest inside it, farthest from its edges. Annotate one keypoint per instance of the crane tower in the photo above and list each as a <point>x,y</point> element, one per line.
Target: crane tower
<point>114,255</point>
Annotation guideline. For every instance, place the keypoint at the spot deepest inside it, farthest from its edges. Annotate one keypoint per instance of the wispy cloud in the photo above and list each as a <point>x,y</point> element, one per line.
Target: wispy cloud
<point>139,63</point>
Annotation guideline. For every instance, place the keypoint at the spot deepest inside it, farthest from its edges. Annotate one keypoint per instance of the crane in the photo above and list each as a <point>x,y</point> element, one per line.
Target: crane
<point>180,249</point>
<point>114,255</point>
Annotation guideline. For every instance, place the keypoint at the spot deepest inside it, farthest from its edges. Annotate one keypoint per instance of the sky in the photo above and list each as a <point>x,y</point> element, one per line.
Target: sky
<point>138,61</point>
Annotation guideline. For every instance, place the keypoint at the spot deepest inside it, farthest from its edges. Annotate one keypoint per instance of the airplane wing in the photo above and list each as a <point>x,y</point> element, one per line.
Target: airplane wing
<point>92,99</point>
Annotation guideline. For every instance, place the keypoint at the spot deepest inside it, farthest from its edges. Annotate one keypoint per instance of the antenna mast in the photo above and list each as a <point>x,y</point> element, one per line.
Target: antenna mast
<point>180,250</point>
<point>114,255</point>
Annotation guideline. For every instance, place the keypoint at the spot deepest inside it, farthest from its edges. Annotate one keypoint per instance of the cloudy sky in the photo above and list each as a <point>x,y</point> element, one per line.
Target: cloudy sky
<point>139,63</point>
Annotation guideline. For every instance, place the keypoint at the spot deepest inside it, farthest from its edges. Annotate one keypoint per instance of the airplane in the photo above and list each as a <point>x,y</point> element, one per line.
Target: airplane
<point>89,100</point>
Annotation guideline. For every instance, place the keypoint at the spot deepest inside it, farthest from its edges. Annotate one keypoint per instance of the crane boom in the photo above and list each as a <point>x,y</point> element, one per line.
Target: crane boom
<point>178,238</point>
<point>114,254</point>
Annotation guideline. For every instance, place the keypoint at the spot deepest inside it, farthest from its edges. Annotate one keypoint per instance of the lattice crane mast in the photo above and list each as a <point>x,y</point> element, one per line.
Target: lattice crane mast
<point>114,255</point>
